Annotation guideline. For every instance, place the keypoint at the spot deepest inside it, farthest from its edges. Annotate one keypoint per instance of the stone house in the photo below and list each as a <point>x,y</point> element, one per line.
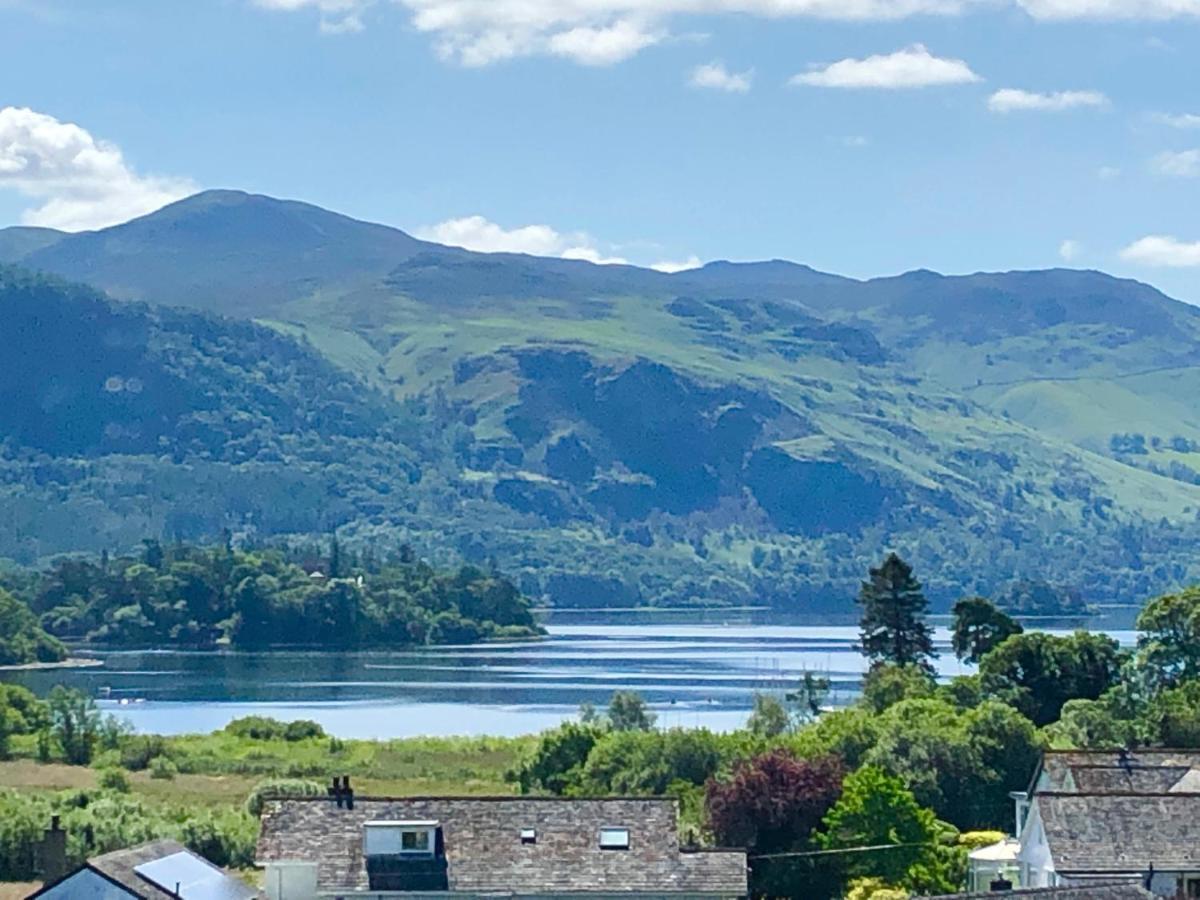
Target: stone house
<point>344,846</point>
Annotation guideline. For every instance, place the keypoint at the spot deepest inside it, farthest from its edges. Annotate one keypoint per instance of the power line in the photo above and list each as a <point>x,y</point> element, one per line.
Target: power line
<point>797,854</point>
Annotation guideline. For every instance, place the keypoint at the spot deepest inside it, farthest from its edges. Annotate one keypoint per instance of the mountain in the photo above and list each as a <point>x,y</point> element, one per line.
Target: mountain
<point>740,433</point>
<point>122,421</point>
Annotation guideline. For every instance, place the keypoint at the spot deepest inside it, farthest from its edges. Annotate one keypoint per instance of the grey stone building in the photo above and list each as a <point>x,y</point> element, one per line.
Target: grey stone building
<point>343,846</point>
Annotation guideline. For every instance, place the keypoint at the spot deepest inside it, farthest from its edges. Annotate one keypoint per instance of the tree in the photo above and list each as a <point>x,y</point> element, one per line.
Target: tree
<point>1169,645</point>
<point>770,717</point>
<point>75,723</point>
<point>893,627</point>
<point>627,711</point>
<point>875,810</point>
<point>773,802</point>
<point>1037,673</point>
<point>979,627</point>
<point>556,764</point>
<point>21,638</point>
<point>886,684</point>
<point>809,696</point>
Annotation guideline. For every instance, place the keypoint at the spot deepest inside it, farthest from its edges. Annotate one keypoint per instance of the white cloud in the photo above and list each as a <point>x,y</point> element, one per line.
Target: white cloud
<point>1012,100</point>
<point>1108,173</point>
<point>1163,251</point>
<point>1182,120</point>
<point>912,67</point>
<point>672,268</point>
<point>1184,164</point>
<point>337,16</point>
<point>1110,9</point>
<point>76,182</point>
<point>1069,250</point>
<point>599,32</point>
<point>716,77</point>
<point>484,236</point>
<point>602,46</point>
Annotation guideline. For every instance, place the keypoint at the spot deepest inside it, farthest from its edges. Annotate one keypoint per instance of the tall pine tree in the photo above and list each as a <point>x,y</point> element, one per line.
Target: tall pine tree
<point>893,628</point>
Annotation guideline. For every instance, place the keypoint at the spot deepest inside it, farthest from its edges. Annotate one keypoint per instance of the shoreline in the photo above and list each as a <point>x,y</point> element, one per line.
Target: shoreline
<point>73,662</point>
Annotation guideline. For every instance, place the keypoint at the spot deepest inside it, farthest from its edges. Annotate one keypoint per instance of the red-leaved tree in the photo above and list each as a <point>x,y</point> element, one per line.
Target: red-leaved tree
<point>773,802</point>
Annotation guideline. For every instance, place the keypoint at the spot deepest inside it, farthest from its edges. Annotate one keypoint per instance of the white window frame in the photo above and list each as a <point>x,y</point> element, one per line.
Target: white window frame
<point>401,829</point>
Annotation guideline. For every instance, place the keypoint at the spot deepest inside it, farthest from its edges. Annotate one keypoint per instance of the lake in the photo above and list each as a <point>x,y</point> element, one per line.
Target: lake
<point>695,669</point>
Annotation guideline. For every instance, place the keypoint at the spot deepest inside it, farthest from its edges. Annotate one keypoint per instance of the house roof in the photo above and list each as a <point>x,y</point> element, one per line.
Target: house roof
<point>1129,832</point>
<point>1119,891</point>
<point>1110,771</point>
<point>484,851</point>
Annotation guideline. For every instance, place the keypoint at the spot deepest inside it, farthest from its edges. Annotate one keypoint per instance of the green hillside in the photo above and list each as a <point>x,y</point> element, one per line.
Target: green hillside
<point>737,434</point>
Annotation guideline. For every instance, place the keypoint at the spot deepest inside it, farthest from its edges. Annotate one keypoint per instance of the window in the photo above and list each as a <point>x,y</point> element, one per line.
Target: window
<point>614,838</point>
<point>414,841</point>
<point>399,838</point>
<point>528,836</point>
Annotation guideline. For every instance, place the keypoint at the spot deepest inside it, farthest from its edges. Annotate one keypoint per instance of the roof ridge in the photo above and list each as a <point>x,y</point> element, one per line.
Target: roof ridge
<point>496,798</point>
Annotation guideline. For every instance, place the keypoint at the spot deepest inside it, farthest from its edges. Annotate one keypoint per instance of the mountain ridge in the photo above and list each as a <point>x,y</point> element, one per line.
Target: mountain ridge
<point>825,417</point>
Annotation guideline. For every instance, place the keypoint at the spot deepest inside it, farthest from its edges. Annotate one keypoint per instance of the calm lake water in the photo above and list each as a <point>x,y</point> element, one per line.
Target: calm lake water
<point>695,669</point>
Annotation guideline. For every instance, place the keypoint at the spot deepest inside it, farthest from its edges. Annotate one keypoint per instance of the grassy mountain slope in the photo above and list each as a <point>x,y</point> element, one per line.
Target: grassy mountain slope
<point>120,421</point>
<point>740,433</point>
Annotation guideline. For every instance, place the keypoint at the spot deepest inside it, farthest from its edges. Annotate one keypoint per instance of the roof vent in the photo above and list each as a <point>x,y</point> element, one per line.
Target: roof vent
<point>528,835</point>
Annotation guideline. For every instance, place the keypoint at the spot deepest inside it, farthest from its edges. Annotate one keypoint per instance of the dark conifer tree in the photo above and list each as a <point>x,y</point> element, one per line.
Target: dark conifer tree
<point>893,628</point>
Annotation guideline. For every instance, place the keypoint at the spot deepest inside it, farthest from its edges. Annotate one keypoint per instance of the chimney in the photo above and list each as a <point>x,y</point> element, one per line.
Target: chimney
<point>341,792</point>
<point>52,854</point>
<point>347,792</point>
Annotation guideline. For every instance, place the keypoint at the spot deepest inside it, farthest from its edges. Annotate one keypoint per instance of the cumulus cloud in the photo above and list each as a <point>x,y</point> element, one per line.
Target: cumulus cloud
<point>912,67</point>
<point>1181,121</point>
<point>1184,164</point>
<point>672,268</point>
<point>599,32</point>
<point>75,181</point>
<point>1013,100</point>
<point>484,236</point>
<point>1163,251</point>
<point>1110,9</point>
<point>716,77</point>
<point>1069,250</point>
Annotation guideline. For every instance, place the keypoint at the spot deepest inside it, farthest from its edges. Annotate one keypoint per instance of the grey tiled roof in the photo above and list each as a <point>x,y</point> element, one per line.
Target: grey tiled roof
<point>1108,771</point>
<point>484,850</point>
<point>119,867</point>
<point>1122,832</point>
<point>1121,891</point>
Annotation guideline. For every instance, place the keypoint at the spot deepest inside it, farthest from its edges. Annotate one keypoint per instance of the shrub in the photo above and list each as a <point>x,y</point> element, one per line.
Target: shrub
<point>138,750</point>
<point>302,730</point>
<point>256,728</point>
<point>115,780</point>
<point>163,768</point>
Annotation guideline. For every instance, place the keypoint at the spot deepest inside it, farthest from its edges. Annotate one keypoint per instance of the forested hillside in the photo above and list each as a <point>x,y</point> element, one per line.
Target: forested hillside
<point>736,434</point>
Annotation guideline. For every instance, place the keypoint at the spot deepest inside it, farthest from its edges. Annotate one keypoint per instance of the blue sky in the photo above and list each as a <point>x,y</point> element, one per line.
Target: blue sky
<point>864,137</point>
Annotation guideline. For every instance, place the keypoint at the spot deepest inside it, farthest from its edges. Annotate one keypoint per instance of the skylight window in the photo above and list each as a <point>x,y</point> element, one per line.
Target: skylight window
<point>528,835</point>
<point>614,838</point>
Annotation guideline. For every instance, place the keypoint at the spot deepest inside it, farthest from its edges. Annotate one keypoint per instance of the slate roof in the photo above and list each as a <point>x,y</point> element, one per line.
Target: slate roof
<point>1129,832</point>
<point>1108,771</point>
<point>484,851</point>
<point>1122,891</point>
